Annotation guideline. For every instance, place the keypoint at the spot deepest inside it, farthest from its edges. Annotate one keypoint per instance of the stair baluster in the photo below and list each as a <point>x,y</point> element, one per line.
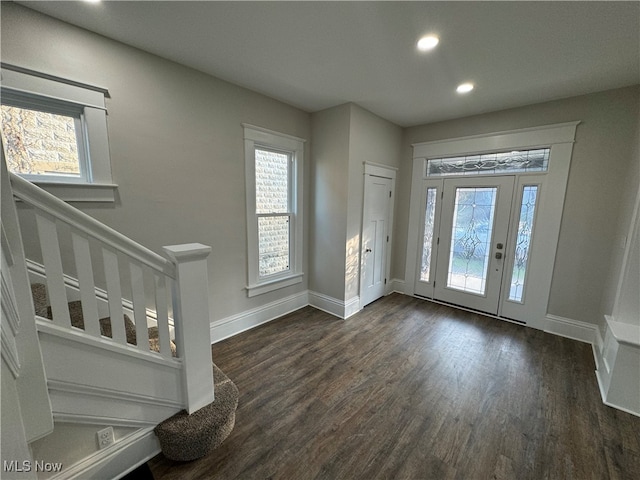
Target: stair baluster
<point>86,282</point>
<point>114,290</point>
<point>50,246</point>
<point>163,316</point>
<point>139,305</point>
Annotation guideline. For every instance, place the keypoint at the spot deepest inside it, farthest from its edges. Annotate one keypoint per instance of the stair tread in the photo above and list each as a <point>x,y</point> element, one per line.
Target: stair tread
<point>185,437</point>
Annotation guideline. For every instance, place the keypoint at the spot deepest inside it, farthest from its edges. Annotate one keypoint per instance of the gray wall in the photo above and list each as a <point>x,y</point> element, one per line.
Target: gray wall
<point>376,140</point>
<point>344,137</point>
<point>626,277</point>
<point>328,218</point>
<point>176,144</point>
<point>602,162</point>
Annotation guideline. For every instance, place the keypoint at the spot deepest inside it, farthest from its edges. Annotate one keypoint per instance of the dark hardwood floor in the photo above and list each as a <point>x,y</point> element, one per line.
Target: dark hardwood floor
<point>407,389</point>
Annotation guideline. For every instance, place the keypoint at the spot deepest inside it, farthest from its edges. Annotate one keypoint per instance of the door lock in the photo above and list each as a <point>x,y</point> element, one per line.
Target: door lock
<point>498,255</point>
<point>499,246</point>
<point>368,250</point>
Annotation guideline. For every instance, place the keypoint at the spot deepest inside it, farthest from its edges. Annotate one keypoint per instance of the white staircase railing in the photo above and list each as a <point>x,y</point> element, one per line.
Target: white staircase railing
<point>75,244</point>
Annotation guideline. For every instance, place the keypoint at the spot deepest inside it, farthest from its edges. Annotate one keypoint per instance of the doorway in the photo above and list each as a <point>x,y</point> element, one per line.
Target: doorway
<point>377,218</point>
<point>473,232</point>
<point>484,220</point>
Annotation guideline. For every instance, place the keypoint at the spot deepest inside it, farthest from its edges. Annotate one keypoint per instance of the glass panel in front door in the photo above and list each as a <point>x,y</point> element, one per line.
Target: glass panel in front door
<point>471,234</point>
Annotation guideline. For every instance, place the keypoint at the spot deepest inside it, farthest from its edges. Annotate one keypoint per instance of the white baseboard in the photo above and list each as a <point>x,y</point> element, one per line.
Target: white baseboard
<point>334,306</point>
<point>117,460</point>
<point>235,324</point>
<point>351,307</point>
<point>569,328</point>
<point>397,286</point>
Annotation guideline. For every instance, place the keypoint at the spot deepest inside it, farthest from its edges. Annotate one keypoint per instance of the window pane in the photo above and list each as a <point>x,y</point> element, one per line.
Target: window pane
<point>523,242</point>
<point>490,163</point>
<point>471,238</point>
<point>40,143</point>
<point>272,182</point>
<point>427,240</point>
<point>273,245</point>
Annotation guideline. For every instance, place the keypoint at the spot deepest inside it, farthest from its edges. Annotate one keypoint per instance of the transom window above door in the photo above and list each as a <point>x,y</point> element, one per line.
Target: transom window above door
<point>492,163</point>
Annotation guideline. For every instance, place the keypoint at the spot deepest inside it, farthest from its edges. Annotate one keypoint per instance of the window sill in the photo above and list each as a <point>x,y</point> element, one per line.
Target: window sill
<point>80,192</point>
<point>264,287</point>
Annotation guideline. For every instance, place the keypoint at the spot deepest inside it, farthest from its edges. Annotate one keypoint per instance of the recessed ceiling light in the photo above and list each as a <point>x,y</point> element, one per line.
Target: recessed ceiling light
<point>428,43</point>
<point>93,1</point>
<point>465,87</point>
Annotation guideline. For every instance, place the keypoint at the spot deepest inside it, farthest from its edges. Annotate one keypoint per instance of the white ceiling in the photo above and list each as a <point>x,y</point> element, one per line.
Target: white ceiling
<point>316,55</point>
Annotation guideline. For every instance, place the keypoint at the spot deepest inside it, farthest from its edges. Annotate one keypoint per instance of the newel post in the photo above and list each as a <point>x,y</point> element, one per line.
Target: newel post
<point>192,323</point>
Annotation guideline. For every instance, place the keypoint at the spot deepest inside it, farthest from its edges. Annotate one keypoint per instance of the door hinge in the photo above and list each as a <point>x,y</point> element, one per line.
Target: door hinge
<point>389,193</point>
<point>387,238</point>
<point>434,284</point>
<point>438,241</point>
<point>441,193</point>
<point>385,281</point>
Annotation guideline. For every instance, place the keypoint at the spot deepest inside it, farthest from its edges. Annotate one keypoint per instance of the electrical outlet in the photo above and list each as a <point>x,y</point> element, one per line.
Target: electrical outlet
<point>105,437</point>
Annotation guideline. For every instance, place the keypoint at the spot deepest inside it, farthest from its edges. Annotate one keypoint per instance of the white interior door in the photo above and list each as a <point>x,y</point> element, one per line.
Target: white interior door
<point>375,237</point>
<point>472,241</point>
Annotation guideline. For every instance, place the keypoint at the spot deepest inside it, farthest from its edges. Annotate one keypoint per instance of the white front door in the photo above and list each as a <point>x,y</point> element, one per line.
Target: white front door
<point>473,237</point>
<point>375,237</point>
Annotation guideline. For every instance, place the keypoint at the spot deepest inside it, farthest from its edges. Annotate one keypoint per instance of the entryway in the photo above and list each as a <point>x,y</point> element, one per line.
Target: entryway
<point>485,219</point>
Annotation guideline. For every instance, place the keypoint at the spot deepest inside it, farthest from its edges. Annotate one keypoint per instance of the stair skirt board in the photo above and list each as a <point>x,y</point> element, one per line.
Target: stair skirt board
<point>37,275</point>
<point>144,376</point>
<point>73,403</point>
<point>117,460</point>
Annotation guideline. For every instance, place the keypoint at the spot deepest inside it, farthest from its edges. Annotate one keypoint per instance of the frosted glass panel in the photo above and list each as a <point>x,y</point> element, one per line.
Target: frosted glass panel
<point>427,241</point>
<point>490,163</point>
<point>40,143</point>
<point>523,242</point>
<point>272,182</point>
<point>471,238</point>
<point>273,244</point>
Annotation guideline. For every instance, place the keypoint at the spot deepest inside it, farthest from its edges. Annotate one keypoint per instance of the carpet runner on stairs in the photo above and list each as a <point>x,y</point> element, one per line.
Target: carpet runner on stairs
<point>43,309</point>
<point>182,437</point>
<point>185,437</point>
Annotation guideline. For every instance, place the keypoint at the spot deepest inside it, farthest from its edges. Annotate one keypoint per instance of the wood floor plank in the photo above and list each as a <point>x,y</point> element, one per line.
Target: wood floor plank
<point>408,389</point>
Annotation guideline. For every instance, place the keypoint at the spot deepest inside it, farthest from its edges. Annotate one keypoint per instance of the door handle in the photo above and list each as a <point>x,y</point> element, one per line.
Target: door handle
<point>368,250</point>
<point>498,255</point>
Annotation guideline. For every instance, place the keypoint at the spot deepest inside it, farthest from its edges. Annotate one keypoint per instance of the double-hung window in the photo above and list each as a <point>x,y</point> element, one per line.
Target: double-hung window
<point>54,133</point>
<point>273,165</point>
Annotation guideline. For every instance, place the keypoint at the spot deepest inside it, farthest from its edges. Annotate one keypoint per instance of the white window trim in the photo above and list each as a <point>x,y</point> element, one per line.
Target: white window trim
<point>255,137</point>
<point>98,185</point>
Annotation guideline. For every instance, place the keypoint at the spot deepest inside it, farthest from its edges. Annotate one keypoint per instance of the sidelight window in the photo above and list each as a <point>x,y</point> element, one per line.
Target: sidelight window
<point>523,242</point>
